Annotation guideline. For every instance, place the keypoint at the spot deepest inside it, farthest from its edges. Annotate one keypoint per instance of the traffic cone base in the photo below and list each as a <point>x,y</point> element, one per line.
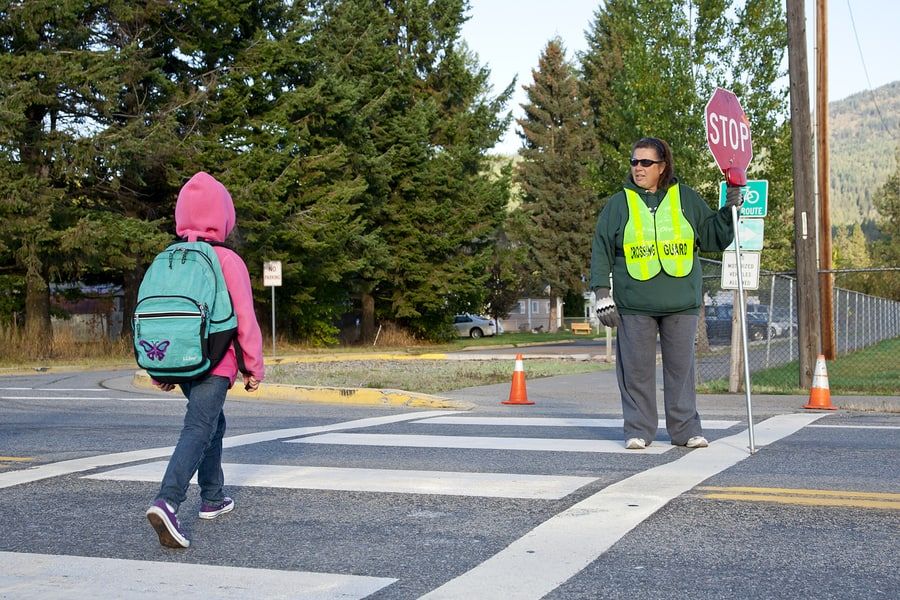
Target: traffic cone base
<point>517,392</point>
<point>819,393</point>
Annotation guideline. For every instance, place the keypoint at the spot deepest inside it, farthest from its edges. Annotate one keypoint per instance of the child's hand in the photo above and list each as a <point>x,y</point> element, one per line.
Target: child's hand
<point>251,383</point>
<point>166,387</point>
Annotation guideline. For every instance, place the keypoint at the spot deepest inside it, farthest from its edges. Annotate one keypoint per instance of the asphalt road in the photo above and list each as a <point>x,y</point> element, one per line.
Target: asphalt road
<point>336,501</point>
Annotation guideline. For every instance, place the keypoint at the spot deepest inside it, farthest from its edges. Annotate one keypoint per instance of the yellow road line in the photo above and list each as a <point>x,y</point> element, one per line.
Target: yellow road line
<point>805,497</point>
<point>15,459</point>
<point>885,505</point>
<point>804,492</point>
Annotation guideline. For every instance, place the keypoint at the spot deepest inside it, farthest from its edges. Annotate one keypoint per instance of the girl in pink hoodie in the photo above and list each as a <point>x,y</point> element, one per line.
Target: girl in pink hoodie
<point>205,211</point>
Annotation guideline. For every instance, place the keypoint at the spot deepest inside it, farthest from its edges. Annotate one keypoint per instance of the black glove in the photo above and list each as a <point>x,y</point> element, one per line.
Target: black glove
<point>606,308</point>
<point>733,197</point>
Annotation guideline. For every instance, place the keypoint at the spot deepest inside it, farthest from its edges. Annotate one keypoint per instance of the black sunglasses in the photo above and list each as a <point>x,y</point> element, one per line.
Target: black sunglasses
<point>644,162</point>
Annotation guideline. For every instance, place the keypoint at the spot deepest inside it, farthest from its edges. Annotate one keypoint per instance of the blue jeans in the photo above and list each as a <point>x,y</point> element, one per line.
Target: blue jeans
<point>199,448</point>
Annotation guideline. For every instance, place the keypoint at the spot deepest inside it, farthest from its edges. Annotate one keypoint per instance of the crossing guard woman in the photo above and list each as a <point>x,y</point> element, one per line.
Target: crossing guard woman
<point>648,237</point>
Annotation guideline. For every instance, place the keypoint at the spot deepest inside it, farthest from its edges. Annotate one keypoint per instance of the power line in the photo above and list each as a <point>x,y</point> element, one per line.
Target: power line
<point>866,72</point>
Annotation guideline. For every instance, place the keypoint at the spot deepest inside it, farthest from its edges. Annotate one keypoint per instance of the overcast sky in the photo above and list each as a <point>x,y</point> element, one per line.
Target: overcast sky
<point>509,35</point>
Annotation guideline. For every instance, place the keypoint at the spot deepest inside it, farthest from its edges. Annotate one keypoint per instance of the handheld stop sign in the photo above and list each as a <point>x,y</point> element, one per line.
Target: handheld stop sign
<point>728,136</point>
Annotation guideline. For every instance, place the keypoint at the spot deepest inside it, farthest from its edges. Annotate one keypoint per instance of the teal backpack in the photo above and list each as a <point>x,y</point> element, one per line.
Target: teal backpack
<point>183,321</point>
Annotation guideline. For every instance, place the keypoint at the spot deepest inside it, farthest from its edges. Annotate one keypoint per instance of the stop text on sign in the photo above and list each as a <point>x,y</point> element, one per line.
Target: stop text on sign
<point>724,131</point>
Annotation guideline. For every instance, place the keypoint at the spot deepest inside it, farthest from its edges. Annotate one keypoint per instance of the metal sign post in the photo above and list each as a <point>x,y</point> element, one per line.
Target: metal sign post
<point>729,140</point>
<point>743,309</point>
<point>272,278</point>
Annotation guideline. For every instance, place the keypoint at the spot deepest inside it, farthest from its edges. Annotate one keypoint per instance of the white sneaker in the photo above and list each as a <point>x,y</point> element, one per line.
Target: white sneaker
<point>635,444</point>
<point>698,441</point>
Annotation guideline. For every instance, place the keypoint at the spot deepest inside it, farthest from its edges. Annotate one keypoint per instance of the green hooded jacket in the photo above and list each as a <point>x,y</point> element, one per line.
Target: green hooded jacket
<point>663,294</point>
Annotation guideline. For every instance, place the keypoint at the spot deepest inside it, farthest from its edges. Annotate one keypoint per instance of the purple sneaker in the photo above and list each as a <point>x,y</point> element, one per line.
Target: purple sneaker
<point>211,510</point>
<point>166,525</point>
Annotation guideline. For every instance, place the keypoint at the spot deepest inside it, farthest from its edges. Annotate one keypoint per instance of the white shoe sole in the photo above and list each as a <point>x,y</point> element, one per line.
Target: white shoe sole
<point>168,536</point>
<point>216,513</point>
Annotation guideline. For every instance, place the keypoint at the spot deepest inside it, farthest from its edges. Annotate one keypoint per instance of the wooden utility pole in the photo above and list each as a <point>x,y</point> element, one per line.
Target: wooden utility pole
<point>826,279</point>
<point>804,202</point>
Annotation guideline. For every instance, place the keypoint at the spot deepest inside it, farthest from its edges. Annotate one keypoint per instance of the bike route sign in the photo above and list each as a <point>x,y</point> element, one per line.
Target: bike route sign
<point>756,198</point>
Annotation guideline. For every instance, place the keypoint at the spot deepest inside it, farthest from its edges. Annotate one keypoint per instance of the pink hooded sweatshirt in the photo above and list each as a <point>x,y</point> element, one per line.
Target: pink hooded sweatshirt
<point>205,210</point>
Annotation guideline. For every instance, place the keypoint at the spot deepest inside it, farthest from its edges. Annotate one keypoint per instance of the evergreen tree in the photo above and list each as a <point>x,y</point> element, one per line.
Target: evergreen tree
<point>72,62</point>
<point>886,250</point>
<point>557,202</point>
<point>425,123</point>
<point>850,251</point>
<point>276,129</point>
<point>101,129</point>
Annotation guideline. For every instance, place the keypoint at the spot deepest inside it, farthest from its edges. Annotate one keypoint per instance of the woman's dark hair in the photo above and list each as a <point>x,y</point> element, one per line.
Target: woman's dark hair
<point>663,152</point>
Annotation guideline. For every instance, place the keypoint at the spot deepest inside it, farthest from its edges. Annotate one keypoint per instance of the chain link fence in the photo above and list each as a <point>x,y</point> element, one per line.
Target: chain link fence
<point>862,322</point>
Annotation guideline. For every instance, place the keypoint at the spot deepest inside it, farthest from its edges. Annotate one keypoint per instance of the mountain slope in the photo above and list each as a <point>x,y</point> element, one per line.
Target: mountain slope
<point>864,135</point>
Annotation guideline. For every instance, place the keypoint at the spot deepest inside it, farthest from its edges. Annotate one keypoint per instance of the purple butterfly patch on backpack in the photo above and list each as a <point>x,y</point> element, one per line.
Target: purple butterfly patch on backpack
<point>155,351</point>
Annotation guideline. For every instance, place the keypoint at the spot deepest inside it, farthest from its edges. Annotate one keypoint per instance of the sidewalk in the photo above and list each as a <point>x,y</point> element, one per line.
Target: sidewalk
<point>566,393</point>
<point>601,391</point>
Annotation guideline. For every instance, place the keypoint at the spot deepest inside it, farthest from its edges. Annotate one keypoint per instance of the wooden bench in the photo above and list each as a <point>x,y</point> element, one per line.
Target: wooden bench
<point>581,328</point>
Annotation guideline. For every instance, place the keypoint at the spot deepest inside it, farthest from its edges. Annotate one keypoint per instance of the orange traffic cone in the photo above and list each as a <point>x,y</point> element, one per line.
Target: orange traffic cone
<point>819,394</point>
<point>517,394</point>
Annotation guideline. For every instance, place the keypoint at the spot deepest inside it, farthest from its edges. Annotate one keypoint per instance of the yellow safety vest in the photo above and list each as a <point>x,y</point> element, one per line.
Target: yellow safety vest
<point>661,241</point>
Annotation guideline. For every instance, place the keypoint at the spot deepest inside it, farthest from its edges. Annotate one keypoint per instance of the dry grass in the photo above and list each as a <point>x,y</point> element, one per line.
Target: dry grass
<point>392,335</point>
<point>18,349</point>
<point>424,376</point>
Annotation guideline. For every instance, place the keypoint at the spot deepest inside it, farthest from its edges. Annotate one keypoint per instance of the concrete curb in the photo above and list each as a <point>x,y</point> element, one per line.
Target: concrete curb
<point>330,395</point>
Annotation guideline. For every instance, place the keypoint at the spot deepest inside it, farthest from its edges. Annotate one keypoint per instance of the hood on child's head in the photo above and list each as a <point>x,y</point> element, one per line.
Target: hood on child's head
<point>204,209</point>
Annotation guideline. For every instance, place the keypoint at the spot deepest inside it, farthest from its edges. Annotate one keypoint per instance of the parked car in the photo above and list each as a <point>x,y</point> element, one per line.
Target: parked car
<point>718,322</point>
<point>783,322</point>
<point>473,326</point>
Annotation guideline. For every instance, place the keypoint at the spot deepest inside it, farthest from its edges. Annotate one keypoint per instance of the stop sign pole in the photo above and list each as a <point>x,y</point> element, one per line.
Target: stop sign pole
<point>728,137</point>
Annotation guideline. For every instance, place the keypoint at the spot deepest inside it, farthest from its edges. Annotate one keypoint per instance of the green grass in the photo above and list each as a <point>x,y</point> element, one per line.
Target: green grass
<point>423,376</point>
<point>872,371</point>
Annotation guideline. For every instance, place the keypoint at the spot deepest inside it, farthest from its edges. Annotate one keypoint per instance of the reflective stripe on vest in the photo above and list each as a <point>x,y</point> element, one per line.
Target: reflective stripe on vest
<point>654,242</point>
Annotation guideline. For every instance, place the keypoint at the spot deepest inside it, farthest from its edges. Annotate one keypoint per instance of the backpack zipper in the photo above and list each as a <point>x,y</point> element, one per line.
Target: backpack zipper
<point>200,312</point>
<point>210,265</point>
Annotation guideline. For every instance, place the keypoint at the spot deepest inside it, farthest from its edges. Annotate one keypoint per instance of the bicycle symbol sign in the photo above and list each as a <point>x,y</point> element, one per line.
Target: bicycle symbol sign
<point>756,196</point>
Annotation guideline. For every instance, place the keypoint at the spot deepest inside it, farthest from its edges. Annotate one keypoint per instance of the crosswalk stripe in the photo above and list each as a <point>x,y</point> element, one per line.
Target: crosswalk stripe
<point>552,422</point>
<point>837,426</point>
<point>477,484</point>
<point>52,576</point>
<point>78,465</point>
<point>476,442</point>
<point>38,389</point>
<point>560,547</point>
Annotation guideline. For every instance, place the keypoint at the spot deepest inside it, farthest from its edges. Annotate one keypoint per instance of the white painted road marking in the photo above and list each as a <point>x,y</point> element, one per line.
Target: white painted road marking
<point>552,422</point>
<point>562,546</point>
<point>78,465</point>
<point>72,398</point>
<point>856,426</point>
<point>477,442</point>
<point>43,577</point>
<point>451,483</point>
<point>37,389</point>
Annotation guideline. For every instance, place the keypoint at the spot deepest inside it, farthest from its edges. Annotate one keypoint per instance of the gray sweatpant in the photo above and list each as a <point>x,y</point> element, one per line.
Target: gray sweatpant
<point>636,372</point>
